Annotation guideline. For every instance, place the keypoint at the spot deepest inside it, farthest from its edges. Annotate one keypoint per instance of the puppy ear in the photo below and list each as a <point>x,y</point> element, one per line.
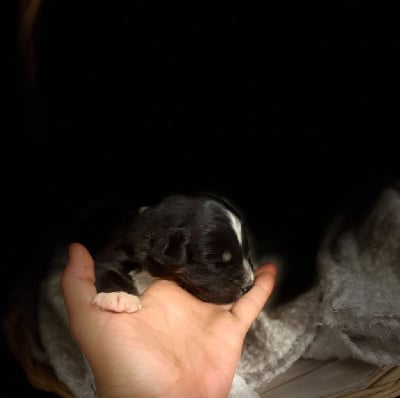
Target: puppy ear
<point>170,248</point>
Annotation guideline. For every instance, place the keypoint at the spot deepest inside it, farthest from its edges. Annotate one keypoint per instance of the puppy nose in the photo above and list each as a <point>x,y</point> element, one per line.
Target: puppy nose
<point>246,288</point>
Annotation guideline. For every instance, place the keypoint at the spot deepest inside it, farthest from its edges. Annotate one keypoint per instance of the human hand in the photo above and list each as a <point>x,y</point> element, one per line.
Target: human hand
<point>175,346</point>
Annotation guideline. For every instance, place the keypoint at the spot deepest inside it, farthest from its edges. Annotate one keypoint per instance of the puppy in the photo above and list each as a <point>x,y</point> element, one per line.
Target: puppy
<point>198,241</point>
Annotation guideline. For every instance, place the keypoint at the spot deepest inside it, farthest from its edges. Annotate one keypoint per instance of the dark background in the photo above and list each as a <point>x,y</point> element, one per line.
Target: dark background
<point>291,111</point>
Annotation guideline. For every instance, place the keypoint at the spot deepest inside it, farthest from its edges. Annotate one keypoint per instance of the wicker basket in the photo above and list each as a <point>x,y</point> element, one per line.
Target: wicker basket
<point>19,326</point>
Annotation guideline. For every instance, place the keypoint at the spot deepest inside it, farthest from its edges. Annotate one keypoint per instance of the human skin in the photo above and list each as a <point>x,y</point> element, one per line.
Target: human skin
<point>174,346</point>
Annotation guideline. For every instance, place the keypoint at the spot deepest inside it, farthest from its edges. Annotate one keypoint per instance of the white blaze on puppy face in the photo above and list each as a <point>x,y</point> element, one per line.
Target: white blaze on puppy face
<point>249,270</point>
<point>237,228</point>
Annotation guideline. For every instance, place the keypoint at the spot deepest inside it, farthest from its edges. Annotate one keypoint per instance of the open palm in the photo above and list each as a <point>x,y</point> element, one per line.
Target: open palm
<point>175,346</point>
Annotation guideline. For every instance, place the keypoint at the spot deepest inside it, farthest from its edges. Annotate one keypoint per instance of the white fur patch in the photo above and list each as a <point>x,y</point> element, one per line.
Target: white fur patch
<point>141,280</point>
<point>249,271</point>
<point>236,226</point>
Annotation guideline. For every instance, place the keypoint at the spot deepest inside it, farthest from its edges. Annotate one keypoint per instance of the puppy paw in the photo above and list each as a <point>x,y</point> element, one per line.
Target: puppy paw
<point>117,302</point>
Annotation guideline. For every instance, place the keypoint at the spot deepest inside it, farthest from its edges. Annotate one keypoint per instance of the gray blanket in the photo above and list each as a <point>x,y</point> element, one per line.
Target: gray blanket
<point>354,311</point>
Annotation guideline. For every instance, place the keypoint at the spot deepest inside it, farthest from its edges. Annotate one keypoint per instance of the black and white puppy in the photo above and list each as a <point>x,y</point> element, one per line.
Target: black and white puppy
<point>198,241</point>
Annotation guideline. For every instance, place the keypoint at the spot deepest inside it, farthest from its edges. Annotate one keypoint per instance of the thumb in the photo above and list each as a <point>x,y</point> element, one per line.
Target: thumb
<point>250,305</point>
<point>77,281</point>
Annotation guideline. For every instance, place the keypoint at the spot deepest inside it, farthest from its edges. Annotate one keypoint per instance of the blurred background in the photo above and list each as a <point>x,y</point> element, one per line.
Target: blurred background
<point>290,111</point>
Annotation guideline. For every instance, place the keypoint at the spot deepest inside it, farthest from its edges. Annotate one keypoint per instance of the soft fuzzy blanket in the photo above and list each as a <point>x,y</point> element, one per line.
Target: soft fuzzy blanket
<point>354,311</point>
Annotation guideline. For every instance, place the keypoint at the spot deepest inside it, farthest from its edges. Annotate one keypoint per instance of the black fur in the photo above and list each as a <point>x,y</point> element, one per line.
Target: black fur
<point>183,238</point>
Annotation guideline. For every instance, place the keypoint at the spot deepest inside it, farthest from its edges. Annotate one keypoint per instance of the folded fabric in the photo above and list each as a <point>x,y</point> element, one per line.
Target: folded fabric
<point>354,312</point>
<point>360,278</point>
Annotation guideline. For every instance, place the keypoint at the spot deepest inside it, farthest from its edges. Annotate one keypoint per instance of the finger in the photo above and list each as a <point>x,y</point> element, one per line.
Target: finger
<point>77,281</point>
<point>249,305</point>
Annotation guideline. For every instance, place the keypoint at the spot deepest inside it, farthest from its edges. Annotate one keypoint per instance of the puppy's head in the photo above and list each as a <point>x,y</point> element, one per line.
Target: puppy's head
<point>199,242</point>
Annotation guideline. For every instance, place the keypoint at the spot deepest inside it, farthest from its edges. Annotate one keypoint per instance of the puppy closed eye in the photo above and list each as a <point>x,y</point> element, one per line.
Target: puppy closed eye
<point>226,259</point>
<point>222,259</point>
<point>226,256</point>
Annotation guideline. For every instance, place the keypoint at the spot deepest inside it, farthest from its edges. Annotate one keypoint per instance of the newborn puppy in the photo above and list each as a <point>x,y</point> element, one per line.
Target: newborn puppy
<point>197,241</point>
